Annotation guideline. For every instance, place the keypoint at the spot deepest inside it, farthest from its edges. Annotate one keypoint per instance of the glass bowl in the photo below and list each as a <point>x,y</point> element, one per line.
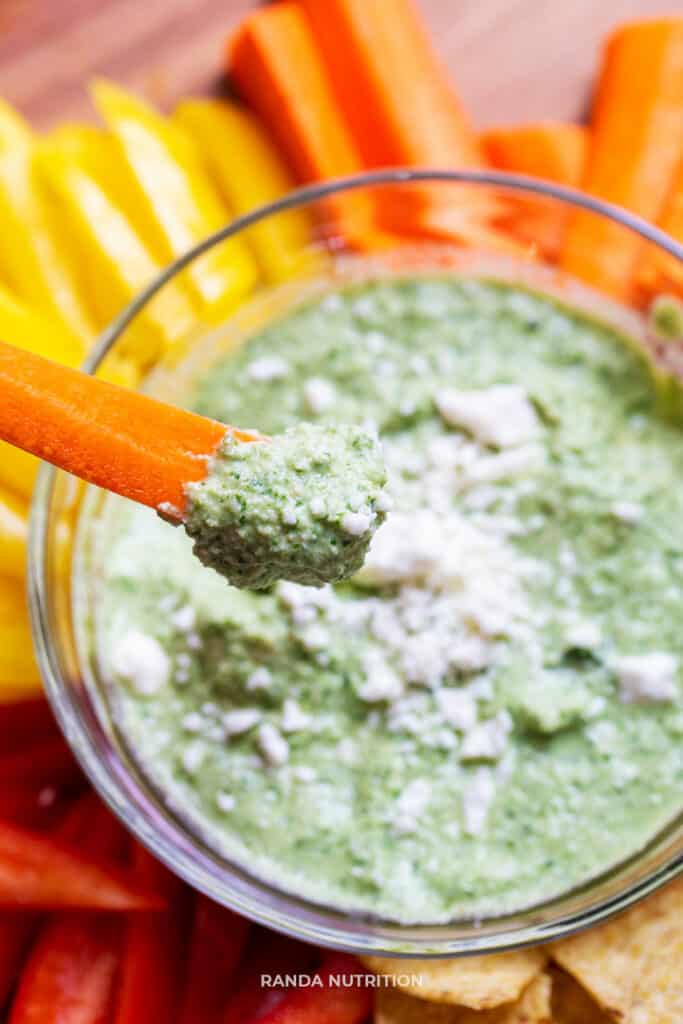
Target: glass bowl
<point>338,247</point>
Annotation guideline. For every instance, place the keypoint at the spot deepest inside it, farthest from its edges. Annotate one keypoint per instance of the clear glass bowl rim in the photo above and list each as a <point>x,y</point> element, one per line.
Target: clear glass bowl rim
<point>355,936</point>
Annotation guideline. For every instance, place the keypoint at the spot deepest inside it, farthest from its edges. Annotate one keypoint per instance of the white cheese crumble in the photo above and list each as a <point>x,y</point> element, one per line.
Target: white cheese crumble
<point>192,722</point>
<point>239,721</point>
<point>289,516</point>
<point>304,773</point>
<point>184,618</point>
<point>225,802</point>
<point>317,506</point>
<point>381,681</point>
<point>268,368</point>
<point>503,466</point>
<point>586,636</point>
<point>487,740</point>
<point>458,708</point>
<point>273,745</point>
<point>141,661</point>
<point>192,757</point>
<point>501,416</point>
<point>315,638</point>
<point>646,678</point>
<point>476,801</point>
<point>294,718</point>
<point>259,679</point>
<point>628,512</point>
<point>319,395</point>
<point>356,523</point>
<point>411,805</point>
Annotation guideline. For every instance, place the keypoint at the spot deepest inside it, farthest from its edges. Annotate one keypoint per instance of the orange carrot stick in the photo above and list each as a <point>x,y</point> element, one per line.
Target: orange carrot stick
<point>119,439</point>
<point>275,66</point>
<point>399,104</point>
<point>552,150</point>
<point>661,273</point>
<point>636,143</point>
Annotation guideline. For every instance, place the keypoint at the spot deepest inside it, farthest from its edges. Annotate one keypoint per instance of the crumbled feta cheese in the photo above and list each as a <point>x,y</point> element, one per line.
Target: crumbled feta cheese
<point>225,802</point>
<point>289,516</point>
<point>602,735</point>
<point>192,757</point>
<point>319,395</point>
<point>239,721</point>
<point>458,708</point>
<point>317,506</point>
<point>315,638</point>
<point>411,805</point>
<point>268,368</point>
<point>192,722</point>
<point>384,502</point>
<point>304,773</point>
<point>356,523</point>
<point>488,739</point>
<point>273,745</point>
<point>381,682</point>
<point>503,466</point>
<point>184,618</point>
<point>477,798</point>
<point>259,679</point>
<point>141,661</point>
<point>628,512</point>
<point>586,636</point>
<point>346,750</point>
<point>294,718</point>
<point>646,678</point>
<point>501,416</point>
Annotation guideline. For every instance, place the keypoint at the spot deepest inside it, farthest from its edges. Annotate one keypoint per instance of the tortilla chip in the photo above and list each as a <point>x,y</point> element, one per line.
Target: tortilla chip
<point>479,982</point>
<point>393,1007</point>
<point>658,992</point>
<point>571,1004</point>
<point>609,960</point>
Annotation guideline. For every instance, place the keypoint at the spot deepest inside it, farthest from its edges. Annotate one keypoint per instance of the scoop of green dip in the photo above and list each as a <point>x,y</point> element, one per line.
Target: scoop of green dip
<point>303,506</point>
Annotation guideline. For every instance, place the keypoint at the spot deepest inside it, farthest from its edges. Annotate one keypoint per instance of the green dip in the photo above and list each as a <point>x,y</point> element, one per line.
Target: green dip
<point>303,506</point>
<point>490,711</point>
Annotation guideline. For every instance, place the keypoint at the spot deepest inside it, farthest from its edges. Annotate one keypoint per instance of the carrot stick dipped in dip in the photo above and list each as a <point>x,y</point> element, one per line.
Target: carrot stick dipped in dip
<point>302,506</point>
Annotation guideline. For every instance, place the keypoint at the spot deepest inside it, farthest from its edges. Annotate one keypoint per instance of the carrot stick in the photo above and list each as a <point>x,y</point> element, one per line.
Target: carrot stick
<point>636,143</point>
<point>400,106</point>
<point>275,65</point>
<point>119,439</point>
<point>552,150</point>
<point>662,273</point>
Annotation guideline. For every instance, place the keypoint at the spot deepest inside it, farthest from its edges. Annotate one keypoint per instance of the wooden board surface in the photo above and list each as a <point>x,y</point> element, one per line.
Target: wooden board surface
<point>511,60</point>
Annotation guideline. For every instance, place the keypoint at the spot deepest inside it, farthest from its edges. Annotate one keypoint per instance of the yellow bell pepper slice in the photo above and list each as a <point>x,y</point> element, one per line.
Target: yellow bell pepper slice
<point>17,470</point>
<point>13,515</point>
<point>19,675</point>
<point>249,172</point>
<point>180,198</point>
<point>38,332</point>
<point>31,260</point>
<point>116,261</point>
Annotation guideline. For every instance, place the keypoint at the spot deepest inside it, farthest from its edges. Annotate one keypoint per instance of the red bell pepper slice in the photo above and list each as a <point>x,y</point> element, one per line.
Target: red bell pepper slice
<point>266,953</point>
<point>330,1003</point>
<point>38,871</point>
<point>33,805</point>
<point>17,929</point>
<point>154,951</point>
<point>216,947</point>
<point>88,822</point>
<point>69,975</point>
<point>49,762</point>
<point>26,721</point>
